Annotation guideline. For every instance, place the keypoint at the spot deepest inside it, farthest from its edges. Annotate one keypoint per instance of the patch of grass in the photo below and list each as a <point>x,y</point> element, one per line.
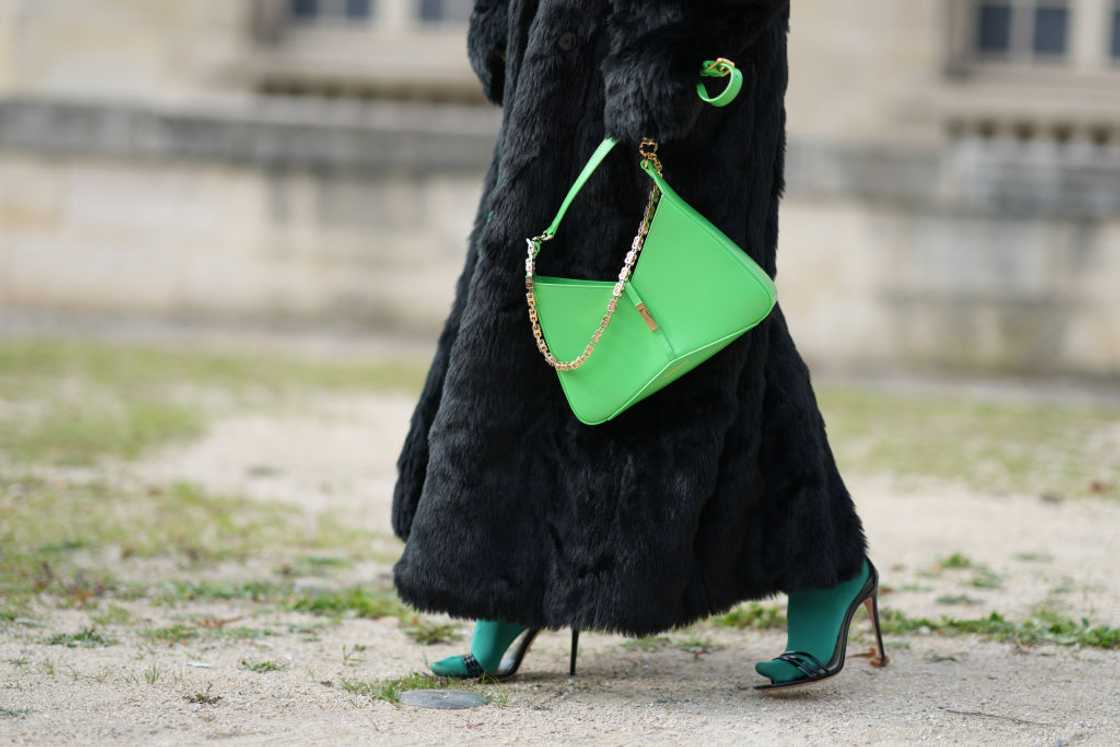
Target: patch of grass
<point>751,616</point>
<point>354,655</point>
<point>985,578</point>
<point>182,519</point>
<point>1044,626</point>
<point>1028,448</point>
<point>40,517</point>
<point>25,574</point>
<point>956,561</point>
<point>695,645</point>
<point>356,601</point>
<point>1065,586</point>
<point>203,697</point>
<point>75,402</point>
<point>428,633</point>
<point>113,614</point>
<point>174,592</point>
<point>647,643</point>
<point>1034,557</point>
<point>78,433</point>
<point>242,633</point>
<point>33,366</point>
<point>152,674</point>
<point>14,712</point>
<point>957,599</point>
<point>308,632</point>
<point>263,666</point>
<point>81,401</point>
<point>211,527</point>
<point>66,545</point>
<point>690,644</point>
<point>171,634</point>
<point>84,638</point>
<point>389,690</point>
<point>314,565</point>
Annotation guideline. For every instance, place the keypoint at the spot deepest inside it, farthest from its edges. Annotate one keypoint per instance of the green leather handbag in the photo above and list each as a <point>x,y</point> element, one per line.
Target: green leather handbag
<point>691,294</point>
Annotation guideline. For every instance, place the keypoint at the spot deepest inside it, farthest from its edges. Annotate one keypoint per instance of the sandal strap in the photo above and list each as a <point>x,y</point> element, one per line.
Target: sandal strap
<point>809,665</point>
<point>474,669</point>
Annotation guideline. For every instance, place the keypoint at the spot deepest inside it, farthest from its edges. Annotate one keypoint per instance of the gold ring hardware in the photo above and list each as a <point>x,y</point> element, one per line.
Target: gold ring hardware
<point>647,149</point>
<point>720,66</point>
<point>535,243</point>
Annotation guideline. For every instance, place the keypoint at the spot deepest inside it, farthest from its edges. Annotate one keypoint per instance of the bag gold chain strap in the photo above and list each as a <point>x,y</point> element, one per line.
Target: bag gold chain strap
<point>647,149</point>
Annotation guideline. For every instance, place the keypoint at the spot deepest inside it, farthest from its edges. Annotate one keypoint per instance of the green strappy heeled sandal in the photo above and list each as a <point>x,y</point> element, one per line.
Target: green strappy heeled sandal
<point>814,670</point>
<point>469,667</point>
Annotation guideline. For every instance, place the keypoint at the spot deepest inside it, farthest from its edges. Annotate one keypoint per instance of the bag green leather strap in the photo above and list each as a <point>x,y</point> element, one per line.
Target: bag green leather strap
<point>588,169</point>
<point>717,68</point>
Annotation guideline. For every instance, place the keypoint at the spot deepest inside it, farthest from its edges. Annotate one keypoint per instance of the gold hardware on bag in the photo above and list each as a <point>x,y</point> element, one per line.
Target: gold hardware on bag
<point>641,308</point>
<point>720,66</point>
<point>647,149</point>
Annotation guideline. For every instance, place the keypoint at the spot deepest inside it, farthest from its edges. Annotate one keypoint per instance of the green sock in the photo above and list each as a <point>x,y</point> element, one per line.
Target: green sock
<point>815,617</point>
<point>488,644</point>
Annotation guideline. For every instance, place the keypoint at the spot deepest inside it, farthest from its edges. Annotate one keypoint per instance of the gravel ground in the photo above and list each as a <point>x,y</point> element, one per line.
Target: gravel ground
<point>960,689</point>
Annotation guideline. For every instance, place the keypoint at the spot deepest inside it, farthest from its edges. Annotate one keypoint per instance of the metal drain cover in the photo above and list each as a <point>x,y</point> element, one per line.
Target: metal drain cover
<point>443,699</point>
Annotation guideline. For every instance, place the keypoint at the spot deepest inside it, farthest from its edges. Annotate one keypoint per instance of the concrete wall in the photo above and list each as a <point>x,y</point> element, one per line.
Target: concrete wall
<point>913,288</point>
<point>863,74</point>
<point>211,216</point>
<point>209,49</point>
<point>998,256</point>
<point>122,48</point>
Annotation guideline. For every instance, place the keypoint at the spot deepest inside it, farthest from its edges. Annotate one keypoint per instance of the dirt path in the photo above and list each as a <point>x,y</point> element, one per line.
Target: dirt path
<point>942,549</point>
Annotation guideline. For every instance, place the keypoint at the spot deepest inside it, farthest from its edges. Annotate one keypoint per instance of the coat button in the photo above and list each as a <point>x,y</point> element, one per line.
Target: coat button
<point>567,41</point>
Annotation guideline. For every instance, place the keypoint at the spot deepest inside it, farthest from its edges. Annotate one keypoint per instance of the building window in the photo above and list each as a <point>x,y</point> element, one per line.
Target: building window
<point>330,10</point>
<point>1022,29</point>
<point>1051,30</point>
<point>444,11</point>
<point>1115,36</point>
<point>304,9</point>
<point>993,28</point>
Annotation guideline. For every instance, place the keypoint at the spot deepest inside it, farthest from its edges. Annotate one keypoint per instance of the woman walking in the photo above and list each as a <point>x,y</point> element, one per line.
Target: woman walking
<point>721,487</point>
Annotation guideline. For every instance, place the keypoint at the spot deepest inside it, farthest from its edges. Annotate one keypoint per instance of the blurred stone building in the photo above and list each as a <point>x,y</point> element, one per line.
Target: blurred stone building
<point>954,171</point>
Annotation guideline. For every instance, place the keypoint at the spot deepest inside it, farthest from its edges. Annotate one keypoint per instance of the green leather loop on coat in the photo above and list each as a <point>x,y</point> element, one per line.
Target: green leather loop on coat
<point>730,91</point>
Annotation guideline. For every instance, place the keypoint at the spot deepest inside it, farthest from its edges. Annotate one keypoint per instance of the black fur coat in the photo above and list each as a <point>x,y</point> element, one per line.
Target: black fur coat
<point>720,487</point>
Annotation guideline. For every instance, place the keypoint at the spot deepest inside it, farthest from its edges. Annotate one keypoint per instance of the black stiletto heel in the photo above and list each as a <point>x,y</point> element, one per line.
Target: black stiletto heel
<point>877,657</point>
<point>812,667</point>
<point>575,650</point>
<point>513,657</point>
<point>511,661</point>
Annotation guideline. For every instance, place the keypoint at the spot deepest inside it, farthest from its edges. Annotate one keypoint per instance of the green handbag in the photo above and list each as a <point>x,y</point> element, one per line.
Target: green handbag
<point>693,292</point>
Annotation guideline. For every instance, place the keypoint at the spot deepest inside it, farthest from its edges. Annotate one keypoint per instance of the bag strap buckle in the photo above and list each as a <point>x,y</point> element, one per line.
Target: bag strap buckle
<point>720,67</point>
